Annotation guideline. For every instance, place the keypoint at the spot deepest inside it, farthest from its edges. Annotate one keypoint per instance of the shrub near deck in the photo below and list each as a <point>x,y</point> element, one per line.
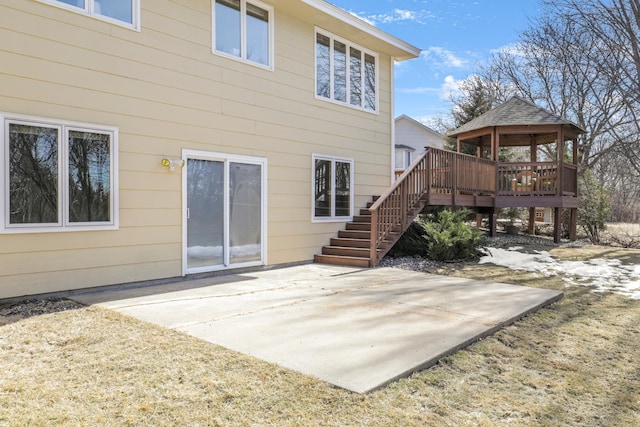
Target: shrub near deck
<point>441,236</point>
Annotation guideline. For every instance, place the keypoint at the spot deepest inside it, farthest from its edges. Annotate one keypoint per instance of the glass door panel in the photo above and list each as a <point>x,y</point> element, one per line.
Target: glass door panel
<point>245,212</point>
<point>322,196</point>
<point>205,213</point>
<point>343,189</point>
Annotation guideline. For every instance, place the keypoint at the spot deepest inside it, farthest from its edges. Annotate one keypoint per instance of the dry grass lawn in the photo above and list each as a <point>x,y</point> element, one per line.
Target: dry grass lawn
<point>576,362</point>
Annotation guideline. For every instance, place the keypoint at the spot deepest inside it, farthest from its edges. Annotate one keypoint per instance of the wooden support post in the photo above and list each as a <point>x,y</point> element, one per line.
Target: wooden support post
<point>561,149</point>
<point>532,221</point>
<point>373,243</point>
<point>493,223</point>
<point>557,225</point>
<point>478,220</point>
<point>573,226</point>
<point>454,178</point>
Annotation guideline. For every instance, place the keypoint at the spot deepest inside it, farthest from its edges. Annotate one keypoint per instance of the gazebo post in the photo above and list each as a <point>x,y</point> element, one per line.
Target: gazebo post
<point>573,227</point>
<point>533,148</point>
<point>493,222</point>
<point>573,224</point>
<point>532,221</point>
<point>557,225</point>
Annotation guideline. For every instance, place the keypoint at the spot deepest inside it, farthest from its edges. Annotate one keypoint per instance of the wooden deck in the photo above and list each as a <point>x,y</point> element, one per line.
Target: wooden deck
<point>446,178</point>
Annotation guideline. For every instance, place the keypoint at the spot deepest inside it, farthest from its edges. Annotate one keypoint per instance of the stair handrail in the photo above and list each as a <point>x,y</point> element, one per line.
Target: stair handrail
<point>395,216</point>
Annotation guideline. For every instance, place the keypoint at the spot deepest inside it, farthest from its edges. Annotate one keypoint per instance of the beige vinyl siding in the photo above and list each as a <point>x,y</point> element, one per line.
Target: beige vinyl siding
<point>165,91</point>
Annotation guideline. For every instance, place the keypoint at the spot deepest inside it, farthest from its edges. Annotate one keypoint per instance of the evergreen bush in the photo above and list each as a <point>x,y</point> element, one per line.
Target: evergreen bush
<point>441,236</point>
<point>449,237</point>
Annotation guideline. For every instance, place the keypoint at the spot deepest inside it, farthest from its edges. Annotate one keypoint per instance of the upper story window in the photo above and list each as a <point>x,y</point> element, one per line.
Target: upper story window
<point>123,12</point>
<point>346,73</point>
<point>57,176</point>
<point>243,29</point>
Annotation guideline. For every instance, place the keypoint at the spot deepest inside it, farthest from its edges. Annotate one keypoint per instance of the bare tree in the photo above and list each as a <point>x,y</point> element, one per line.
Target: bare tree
<point>580,60</point>
<point>615,24</point>
<point>557,65</point>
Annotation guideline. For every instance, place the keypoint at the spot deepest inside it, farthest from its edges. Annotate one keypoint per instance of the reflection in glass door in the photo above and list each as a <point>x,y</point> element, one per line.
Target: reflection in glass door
<point>224,211</point>
<point>205,213</point>
<point>245,228</point>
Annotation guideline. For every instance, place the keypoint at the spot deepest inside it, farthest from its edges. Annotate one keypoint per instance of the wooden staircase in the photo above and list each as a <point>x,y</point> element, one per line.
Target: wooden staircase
<point>373,232</point>
<point>352,246</point>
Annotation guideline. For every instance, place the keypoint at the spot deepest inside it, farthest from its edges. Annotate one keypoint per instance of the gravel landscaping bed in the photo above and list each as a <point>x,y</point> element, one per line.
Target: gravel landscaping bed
<point>11,311</point>
<point>527,242</point>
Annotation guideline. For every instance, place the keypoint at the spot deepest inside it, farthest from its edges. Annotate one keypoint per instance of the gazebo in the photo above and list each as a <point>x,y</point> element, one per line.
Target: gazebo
<point>552,183</point>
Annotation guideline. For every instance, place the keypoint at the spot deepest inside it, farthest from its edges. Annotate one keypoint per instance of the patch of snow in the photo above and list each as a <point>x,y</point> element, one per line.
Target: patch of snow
<point>216,251</point>
<point>602,274</point>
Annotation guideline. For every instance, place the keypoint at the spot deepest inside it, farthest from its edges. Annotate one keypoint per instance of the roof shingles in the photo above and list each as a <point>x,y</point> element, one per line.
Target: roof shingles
<point>514,112</point>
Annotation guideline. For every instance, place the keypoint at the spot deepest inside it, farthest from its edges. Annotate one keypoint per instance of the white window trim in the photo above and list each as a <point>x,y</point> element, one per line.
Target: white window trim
<point>226,158</point>
<point>349,45</point>
<point>243,34</point>
<point>89,10</point>
<point>63,224</point>
<point>404,152</point>
<point>333,160</point>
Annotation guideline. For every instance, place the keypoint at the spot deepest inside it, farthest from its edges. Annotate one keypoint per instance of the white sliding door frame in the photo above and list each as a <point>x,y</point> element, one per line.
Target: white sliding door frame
<point>227,159</point>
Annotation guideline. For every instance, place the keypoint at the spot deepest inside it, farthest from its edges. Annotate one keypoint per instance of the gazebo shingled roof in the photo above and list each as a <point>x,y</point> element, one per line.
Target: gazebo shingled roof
<point>517,112</point>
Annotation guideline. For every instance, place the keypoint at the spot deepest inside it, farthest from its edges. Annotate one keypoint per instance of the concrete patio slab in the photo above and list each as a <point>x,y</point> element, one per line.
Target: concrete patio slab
<point>354,328</point>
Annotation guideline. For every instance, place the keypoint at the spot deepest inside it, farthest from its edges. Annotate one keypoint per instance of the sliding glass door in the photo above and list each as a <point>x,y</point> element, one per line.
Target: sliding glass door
<point>224,212</point>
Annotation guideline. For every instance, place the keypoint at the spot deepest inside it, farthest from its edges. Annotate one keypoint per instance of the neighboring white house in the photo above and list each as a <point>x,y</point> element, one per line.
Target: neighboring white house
<point>411,138</point>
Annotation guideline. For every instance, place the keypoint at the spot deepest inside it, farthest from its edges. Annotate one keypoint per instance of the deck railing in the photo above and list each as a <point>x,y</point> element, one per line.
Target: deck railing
<point>436,172</point>
<point>569,180</point>
<point>528,178</point>
<point>455,173</point>
<point>546,177</point>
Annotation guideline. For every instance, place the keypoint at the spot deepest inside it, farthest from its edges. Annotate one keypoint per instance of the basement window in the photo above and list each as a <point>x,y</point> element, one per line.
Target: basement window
<point>58,176</point>
<point>332,188</point>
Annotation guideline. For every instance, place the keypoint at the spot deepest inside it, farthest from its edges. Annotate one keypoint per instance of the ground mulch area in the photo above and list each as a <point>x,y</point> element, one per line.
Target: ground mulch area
<point>573,363</point>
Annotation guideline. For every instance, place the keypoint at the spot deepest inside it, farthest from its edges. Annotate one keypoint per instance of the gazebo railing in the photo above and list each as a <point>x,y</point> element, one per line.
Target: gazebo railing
<point>543,178</point>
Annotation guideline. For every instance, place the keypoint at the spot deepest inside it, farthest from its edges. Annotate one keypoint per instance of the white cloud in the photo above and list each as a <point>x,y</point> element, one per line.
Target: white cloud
<point>397,15</point>
<point>440,56</point>
<point>419,90</point>
<point>512,49</point>
<point>449,88</point>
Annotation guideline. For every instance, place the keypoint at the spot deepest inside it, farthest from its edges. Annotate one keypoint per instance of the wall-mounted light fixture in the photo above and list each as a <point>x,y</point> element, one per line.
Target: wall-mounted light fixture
<point>172,163</point>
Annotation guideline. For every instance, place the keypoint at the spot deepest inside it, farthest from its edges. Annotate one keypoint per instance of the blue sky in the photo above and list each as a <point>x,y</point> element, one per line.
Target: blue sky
<point>454,35</point>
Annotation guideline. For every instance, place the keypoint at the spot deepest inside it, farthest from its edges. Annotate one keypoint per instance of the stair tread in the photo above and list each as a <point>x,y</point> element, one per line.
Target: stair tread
<point>346,247</point>
<point>342,260</point>
<point>365,233</point>
<point>350,243</point>
<point>346,251</point>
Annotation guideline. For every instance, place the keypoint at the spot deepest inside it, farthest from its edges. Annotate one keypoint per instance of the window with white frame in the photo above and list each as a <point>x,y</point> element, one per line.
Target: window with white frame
<point>346,73</point>
<point>243,29</point>
<point>125,12</point>
<point>332,188</point>
<point>403,157</point>
<point>57,175</point>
